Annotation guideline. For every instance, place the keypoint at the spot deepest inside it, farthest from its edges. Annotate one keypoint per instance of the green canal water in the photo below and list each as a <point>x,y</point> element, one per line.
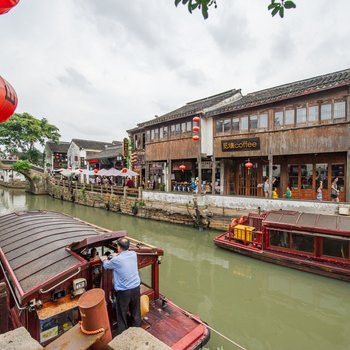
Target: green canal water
<point>259,305</point>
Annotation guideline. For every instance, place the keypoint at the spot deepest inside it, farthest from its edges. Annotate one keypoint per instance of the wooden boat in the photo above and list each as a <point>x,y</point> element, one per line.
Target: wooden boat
<point>308,242</point>
<point>44,258</point>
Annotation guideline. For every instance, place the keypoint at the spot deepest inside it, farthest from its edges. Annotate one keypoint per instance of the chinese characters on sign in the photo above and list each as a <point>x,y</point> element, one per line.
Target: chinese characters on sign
<point>252,144</point>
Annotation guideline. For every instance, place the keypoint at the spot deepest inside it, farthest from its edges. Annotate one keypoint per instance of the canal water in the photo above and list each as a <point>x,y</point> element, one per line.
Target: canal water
<point>259,305</point>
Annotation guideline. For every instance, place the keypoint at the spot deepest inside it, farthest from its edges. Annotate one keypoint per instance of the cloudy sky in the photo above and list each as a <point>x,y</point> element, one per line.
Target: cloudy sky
<point>96,68</point>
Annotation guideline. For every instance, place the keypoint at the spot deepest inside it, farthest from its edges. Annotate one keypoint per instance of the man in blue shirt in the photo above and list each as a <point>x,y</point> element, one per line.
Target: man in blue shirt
<point>126,284</point>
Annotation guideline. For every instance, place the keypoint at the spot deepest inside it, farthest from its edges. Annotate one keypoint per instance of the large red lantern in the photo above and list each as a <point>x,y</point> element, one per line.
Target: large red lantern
<point>8,100</point>
<point>80,170</point>
<point>182,167</point>
<point>6,5</point>
<point>196,119</point>
<point>124,170</point>
<point>195,137</point>
<point>195,128</point>
<point>95,171</point>
<point>248,166</point>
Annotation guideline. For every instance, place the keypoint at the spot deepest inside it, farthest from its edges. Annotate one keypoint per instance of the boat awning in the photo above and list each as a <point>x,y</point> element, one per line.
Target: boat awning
<point>92,240</point>
<point>329,224</point>
<point>34,247</point>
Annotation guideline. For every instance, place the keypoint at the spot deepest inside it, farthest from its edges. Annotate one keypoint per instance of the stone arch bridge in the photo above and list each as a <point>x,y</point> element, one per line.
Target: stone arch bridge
<point>36,177</point>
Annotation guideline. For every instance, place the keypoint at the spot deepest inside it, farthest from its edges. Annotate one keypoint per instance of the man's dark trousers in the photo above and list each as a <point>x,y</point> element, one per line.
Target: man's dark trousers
<point>128,300</point>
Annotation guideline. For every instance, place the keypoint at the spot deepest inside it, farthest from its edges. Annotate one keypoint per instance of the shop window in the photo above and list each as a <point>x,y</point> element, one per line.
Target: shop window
<point>303,243</point>
<point>253,122</point>
<point>152,134</point>
<point>279,239</point>
<point>161,134</point>
<point>244,123</point>
<point>293,173</point>
<point>172,130</point>
<point>183,128</point>
<point>279,119</point>
<point>313,114</point>
<point>156,133</point>
<point>165,132</point>
<point>227,125</point>
<point>177,129</point>
<point>326,111</point>
<point>189,126</point>
<point>336,248</point>
<point>235,124</point>
<point>301,115</point>
<point>339,110</point>
<point>306,176</point>
<point>82,162</point>
<point>148,135</point>
<point>338,171</point>
<point>219,126</point>
<point>322,175</point>
<point>289,117</point>
<point>263,121</point>
<point>75,158</point>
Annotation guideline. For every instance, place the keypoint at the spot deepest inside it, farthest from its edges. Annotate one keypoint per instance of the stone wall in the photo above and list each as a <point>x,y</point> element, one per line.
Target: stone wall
<point>215,211</point>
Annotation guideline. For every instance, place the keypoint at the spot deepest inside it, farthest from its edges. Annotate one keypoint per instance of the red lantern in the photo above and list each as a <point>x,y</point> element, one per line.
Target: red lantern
<point>249,166</point>
<point>95,171</point>
<point>6,5</point>
<point>182,167</point>
<point>124,170</point>
<point>195,128</point>
<point>81,170</point>
<point>196,119</point>
<point>195,137</point>
<point>8,100</point>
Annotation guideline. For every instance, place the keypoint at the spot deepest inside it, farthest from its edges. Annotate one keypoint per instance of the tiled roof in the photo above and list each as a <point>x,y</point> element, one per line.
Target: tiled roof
<point>60,147</point>
<point>191,108</point>
<point>90,144</point>
<point>110,152</point>
<point>287,91</point>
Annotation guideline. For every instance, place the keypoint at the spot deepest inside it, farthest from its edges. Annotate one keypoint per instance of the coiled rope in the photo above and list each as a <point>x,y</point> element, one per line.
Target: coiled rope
<point>90,332</point>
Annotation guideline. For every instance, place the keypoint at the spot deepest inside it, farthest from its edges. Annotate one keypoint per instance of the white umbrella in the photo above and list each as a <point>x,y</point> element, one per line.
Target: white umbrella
<point>102,172</point>
<point>67,173</point>
<point>112,172</point>
<point>128,173</point>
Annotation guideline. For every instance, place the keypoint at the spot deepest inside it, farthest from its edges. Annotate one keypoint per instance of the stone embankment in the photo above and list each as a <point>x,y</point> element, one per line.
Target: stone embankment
<point>14,184</point>
<point>214,212</point>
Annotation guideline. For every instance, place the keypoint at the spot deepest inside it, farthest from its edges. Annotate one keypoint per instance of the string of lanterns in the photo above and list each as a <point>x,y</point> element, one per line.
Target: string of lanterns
<point>8,96</point>
<point>195,128</point>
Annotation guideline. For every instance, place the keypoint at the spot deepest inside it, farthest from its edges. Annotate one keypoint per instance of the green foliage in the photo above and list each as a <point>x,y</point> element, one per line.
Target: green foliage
<point>162,187</point>
<point>279,7</point>
<point>83,193</point>
<point>22,133</point>
<point>204,5</point>
<point>21,166</point>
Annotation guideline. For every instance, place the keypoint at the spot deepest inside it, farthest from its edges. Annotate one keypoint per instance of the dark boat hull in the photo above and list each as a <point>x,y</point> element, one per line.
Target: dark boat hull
<point>320,268</point>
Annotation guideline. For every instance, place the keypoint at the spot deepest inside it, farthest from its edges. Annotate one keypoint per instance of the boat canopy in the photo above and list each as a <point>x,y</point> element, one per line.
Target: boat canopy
<point>331,224</point>
<point>35,247</point>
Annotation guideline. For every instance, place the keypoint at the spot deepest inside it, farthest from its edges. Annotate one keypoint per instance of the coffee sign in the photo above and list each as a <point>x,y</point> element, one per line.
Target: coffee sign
<point>252,144</point>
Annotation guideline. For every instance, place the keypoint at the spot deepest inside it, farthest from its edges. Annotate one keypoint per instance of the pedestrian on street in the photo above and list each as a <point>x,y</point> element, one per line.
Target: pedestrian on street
<point>319,191</point>
<point>334,190</point>
<point>126,284</point>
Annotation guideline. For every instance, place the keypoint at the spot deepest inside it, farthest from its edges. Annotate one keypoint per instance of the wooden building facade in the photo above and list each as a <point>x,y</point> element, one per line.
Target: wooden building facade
<point>303,127</point>
<point>299,132</point>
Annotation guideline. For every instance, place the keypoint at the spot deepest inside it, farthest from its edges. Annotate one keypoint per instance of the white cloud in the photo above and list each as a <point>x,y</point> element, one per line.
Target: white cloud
<point>96,68</point>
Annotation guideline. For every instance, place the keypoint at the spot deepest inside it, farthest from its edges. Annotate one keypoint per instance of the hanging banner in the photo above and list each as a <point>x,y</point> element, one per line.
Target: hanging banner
<point>6,5</point>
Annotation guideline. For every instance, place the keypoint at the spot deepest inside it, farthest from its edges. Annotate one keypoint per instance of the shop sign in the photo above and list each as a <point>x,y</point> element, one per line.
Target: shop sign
<point>206,165</point>
<point>252,144</point>
<point>156,166</point>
